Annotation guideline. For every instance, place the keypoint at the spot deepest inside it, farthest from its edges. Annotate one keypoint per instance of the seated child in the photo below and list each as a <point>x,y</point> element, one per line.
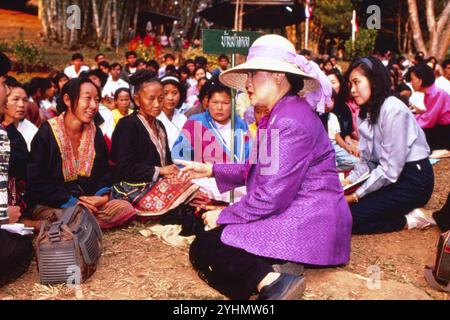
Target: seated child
<point>346,156</point>
<point>258,112</point>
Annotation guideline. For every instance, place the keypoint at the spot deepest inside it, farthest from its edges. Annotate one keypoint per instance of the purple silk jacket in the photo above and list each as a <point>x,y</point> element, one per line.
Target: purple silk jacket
<point>299,213</point>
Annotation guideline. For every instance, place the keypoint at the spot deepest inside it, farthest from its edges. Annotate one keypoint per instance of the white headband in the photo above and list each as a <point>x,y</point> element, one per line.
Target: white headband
<point>170,78</point>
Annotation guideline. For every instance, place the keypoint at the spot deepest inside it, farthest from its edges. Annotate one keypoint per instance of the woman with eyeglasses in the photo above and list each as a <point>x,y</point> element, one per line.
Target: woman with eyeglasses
<point>294,211</point>
<point>393,150</point>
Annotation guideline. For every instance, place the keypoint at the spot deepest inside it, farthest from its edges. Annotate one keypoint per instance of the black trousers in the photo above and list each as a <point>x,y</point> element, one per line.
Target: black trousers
<point>438,137</point>
<point>384,210</point>
<point>15,256</point>
<point>232,271</point>
<point>442,216</point>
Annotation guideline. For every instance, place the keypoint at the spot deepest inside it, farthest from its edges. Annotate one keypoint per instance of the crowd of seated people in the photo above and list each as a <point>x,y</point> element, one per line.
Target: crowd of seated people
<point>88,136</point>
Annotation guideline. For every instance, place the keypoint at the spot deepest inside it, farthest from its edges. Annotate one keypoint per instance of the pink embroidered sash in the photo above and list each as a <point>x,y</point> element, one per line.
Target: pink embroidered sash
<point>72,167</point>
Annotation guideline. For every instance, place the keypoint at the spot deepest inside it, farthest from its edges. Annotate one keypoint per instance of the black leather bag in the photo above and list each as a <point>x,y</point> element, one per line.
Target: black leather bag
<point>438,276</point>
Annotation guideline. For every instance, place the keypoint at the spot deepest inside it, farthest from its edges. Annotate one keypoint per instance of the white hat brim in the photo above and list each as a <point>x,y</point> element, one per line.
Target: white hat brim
<point>237,77</point>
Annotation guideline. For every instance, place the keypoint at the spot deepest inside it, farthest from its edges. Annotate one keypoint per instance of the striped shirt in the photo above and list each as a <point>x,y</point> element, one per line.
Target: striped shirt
<point>5,151</point>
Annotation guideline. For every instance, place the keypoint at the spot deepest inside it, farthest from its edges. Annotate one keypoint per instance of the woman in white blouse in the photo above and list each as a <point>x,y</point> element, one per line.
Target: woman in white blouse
<point>15,112</point>
<point>171,117</point>
<point>393,150</point>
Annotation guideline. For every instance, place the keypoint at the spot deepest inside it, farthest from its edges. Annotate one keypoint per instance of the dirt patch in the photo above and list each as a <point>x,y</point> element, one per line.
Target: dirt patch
<point>13,22</point>
<point>135,267</point>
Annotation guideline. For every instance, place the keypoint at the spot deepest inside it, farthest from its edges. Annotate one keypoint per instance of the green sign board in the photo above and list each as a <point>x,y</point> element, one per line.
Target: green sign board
<point>227,41</point>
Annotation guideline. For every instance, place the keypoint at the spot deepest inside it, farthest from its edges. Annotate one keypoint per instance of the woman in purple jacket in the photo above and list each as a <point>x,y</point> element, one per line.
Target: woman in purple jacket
<point>294,211</point>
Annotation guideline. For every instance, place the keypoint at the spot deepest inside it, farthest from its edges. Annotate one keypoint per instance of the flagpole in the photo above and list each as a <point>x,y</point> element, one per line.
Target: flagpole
<point>237,24</point>
<point>307,16</point>
<point>353,29</point>
<point>236,15</point>
<point>306,33</point>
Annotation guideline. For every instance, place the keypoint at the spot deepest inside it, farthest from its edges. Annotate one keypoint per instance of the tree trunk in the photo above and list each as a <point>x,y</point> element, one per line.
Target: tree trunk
<point>135,18</point>
<point>410,41</point>
<point>431,24</point>
<point>125,22</point>
<point>56,29</point>
<point>415,26</point>
<point>121,10</point>
<point>95,18</point>
<point>104,22</point>
<point>445,43</point>
<point>298,36</point>
<point>73,38</point>
<point>43,17</point>
<point>65,30</point>
<point>61,21</point>
<point>108,39</point>
<point>114,22</point>
<point>443,33</point>
<point>405,37</point>
<point>56,23</point>
<point>86,28</point>
<point>439,34</point>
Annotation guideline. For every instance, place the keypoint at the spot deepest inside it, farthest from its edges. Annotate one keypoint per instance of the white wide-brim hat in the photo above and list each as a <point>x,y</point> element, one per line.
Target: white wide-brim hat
<point>272,53</point>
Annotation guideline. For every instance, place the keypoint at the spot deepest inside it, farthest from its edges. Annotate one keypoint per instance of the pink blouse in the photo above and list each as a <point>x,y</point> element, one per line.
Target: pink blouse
<point>437,102</point>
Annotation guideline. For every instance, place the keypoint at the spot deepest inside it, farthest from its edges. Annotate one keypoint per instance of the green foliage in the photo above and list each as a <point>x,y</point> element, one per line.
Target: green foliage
<point>26,54</point>
<point>191,53</point>
<point>364,44</point>
<point>4,46</point>
<point>26,77</point>
<point>105,48</point>
<point>146,52</point>
<point>335,15</point>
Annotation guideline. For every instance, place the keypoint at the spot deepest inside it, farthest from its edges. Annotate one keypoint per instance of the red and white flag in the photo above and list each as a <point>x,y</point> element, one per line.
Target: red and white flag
<point>354,22</point>
<point>308,9</point>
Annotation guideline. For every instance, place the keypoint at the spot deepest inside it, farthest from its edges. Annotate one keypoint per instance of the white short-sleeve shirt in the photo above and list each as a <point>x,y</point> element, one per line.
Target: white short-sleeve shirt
<point>71,73</point>
<point>333,126</point>
<point>111,86</point>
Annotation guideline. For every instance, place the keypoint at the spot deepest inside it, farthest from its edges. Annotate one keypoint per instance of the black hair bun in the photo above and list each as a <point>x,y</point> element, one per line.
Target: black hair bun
<point>12,82</point>
<point>215,81</point>
<point>141,76</point>
<point>5,64</point>
<point>103,77</point>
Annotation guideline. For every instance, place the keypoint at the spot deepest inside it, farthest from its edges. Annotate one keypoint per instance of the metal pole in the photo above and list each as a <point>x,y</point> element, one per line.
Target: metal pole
<point>241,16</point>
<point>236,16</point>
<point>306,33</point>
<point>353,40</point>
<point>353,29</point>
<point>233,124</point>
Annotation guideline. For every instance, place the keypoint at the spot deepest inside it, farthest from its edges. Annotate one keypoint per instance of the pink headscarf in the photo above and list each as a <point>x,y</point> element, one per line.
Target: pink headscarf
<point>317,98</point>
